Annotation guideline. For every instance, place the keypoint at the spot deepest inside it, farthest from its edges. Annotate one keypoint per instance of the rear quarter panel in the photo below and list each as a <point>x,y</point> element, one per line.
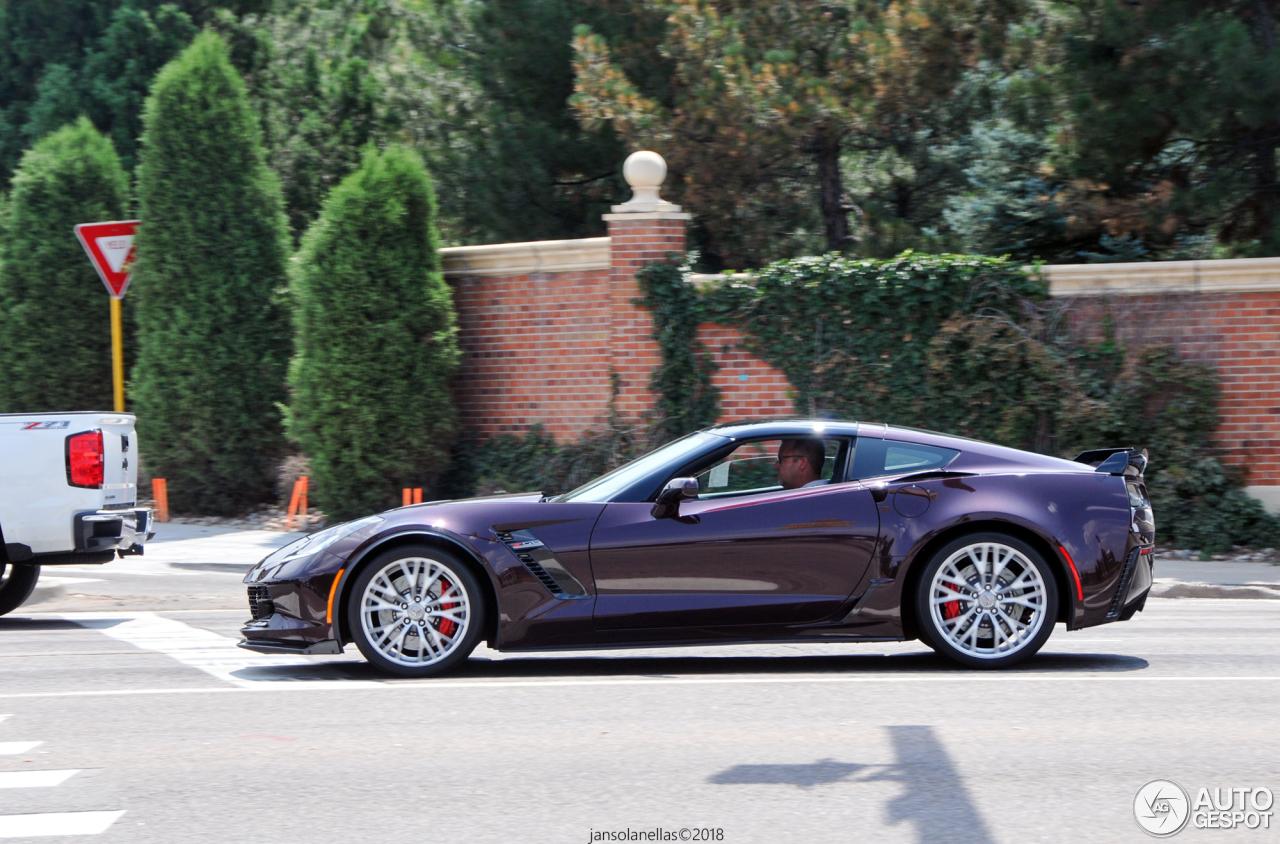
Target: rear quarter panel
<point>1086,513</point>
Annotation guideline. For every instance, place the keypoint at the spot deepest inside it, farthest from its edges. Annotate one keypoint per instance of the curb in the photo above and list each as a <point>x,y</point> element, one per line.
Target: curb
<point>1170,588</point>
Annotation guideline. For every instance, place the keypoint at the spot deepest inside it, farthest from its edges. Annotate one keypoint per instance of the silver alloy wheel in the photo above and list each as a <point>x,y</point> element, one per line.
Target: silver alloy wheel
<point>415,612</point>
<point>987,600</point>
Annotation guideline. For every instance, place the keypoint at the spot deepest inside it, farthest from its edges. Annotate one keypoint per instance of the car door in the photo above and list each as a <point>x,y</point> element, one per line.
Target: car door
<point>764,557</point>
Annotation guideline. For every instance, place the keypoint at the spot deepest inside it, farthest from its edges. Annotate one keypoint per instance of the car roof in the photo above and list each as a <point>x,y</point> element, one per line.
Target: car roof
<point>978,455</point>
<point>784,426</point>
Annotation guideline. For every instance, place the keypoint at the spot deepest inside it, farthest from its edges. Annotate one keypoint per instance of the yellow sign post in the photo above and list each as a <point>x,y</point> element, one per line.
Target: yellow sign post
<point>117,355</point>
<point>110,249</point>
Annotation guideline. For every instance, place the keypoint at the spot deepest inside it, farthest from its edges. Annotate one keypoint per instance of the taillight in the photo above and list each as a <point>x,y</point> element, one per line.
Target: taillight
<point>85,459</point>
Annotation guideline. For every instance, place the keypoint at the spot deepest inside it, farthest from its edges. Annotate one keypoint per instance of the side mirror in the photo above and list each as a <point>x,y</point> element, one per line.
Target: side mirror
<point>676,490</point>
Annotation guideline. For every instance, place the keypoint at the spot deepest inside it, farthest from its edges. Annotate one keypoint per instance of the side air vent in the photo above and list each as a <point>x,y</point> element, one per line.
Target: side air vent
<point>539,572</point>
<point>1117,603</point>
<point>542,564</point>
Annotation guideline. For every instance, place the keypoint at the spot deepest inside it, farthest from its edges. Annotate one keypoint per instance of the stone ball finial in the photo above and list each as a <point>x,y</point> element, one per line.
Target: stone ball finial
<point>645,171</point>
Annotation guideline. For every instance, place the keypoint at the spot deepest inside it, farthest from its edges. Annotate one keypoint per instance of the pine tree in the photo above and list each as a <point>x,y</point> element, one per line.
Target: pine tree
<point>55,332</point>
<point>212,253</point>
<point>375,339</point>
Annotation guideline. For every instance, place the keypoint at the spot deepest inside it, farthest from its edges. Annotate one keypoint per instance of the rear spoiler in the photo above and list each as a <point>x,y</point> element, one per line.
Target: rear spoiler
<point>1115,461</point>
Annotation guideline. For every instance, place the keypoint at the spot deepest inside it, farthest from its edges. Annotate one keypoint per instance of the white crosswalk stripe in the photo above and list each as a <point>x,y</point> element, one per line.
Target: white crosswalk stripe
<point>47,824</point>
<point>203,649</point>
<point>36,779</point>
<point>13,748</point>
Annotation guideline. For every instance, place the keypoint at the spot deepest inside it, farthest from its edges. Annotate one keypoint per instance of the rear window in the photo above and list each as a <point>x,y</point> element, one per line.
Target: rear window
<point>891,457</point>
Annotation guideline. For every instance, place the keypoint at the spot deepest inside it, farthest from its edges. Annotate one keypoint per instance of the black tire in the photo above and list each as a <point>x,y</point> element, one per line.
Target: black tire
<point>426,630</point>
<point>16,585</point>
<point>996,627</point>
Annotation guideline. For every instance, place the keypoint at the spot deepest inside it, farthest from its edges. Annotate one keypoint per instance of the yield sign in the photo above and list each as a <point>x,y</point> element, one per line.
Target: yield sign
<point>110,248</point>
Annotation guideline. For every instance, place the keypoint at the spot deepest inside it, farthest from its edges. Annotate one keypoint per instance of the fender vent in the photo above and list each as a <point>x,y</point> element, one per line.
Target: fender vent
<point>542,564</point>
<point>1118,601</point>
<point>539,572</point>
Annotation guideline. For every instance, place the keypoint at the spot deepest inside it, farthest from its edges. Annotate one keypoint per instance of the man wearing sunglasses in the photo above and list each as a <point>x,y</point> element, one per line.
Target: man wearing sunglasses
<point>800,463</point>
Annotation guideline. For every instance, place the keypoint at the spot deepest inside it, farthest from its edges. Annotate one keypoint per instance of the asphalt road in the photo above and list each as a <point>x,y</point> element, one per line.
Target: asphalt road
<point>127,714</point>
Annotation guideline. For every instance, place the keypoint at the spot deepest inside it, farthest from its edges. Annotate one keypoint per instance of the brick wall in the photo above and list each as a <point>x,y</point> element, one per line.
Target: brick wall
<point>1238,333</point>
<point>749,387</point>
<point>539,347</point>
<point>633,244</point>
<point>536,350</point>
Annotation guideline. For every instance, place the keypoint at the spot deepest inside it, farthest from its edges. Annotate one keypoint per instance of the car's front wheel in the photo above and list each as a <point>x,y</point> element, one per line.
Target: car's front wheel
<point>416,611</point>
<point>986,600</point>
<point>16,585</point>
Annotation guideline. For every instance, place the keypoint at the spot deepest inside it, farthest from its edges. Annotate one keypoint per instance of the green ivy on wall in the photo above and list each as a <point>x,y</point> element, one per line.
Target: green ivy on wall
<point>686,399</point>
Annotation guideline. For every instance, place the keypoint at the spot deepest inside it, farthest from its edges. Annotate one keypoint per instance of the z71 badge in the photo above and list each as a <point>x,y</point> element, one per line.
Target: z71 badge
<point>45,426</point>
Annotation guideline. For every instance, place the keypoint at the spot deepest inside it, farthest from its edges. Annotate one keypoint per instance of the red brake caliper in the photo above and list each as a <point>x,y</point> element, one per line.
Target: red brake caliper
<point>447,626</point>
<point>950,609</point>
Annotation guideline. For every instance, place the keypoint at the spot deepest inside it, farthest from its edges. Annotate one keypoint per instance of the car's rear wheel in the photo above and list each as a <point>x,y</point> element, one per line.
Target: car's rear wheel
<point>16,585</point>
<point>986,600</point>
<point>416,611</point>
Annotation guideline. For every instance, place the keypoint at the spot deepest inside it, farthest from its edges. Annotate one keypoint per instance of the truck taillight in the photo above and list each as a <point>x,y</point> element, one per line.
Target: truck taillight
<point>85,458</point>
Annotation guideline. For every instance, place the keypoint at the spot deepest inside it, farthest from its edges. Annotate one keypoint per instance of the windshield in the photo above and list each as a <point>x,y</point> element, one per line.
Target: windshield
<point>605,487</point>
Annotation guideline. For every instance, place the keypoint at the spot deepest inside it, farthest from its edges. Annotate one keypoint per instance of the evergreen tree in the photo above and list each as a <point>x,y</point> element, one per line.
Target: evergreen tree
<point>1176,111</point>
<point>375,339</point>
<point>55,331</point>
<point>212,252</point>
<point>63,58</point>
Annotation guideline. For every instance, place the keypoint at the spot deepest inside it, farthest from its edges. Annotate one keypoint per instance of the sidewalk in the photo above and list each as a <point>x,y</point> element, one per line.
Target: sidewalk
<point>1176,578</point>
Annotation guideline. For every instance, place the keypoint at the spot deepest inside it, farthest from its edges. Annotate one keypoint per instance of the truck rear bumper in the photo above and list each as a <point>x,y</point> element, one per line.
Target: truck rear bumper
<point>125,531</point>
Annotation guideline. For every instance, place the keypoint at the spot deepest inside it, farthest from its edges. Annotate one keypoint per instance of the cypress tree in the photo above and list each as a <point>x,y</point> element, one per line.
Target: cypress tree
<point>375,337</point>
<point>212,254</point>
<point>55,329</point>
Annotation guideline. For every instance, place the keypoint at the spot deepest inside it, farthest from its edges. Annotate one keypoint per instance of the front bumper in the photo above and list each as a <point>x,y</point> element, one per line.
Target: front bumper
<point>125,531</point>
<point>291,616</point>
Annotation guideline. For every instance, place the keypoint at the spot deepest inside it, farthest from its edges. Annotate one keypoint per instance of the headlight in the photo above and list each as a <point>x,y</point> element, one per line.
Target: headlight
<point>317,542</point>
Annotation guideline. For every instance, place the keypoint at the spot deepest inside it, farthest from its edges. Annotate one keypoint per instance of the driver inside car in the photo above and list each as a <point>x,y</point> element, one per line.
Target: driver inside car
<point>800,463</point>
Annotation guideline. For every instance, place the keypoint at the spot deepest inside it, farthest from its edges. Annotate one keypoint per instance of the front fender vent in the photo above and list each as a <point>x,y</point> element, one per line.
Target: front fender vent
<point>542,564</point>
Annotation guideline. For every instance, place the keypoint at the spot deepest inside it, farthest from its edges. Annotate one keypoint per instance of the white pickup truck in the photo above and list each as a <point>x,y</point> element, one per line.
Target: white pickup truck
<point>69,495</point>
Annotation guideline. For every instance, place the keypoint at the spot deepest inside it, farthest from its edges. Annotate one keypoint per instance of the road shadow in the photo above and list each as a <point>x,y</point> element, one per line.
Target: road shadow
<point>609,664</point>
<point>933,798</point>
<point>36,624</point>
<point>823,772</point>
<point>231,568</point>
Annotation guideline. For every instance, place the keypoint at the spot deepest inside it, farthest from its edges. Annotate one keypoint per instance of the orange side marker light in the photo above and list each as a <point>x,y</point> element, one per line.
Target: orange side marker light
<point>333,590</point>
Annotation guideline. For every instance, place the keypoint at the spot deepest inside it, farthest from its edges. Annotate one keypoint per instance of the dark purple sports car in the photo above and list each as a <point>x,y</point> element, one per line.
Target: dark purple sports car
<point>793,530</point>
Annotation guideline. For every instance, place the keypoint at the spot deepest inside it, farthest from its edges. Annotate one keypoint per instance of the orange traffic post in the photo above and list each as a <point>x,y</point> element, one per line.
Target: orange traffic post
<point>293,505</point>
<point>417,495</point>
<point>160,492</point>
<point>406,497</point>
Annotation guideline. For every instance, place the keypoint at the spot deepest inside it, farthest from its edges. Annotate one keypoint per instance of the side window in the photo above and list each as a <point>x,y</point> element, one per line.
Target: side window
<point>752,467</point>
<point>891,457</point>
